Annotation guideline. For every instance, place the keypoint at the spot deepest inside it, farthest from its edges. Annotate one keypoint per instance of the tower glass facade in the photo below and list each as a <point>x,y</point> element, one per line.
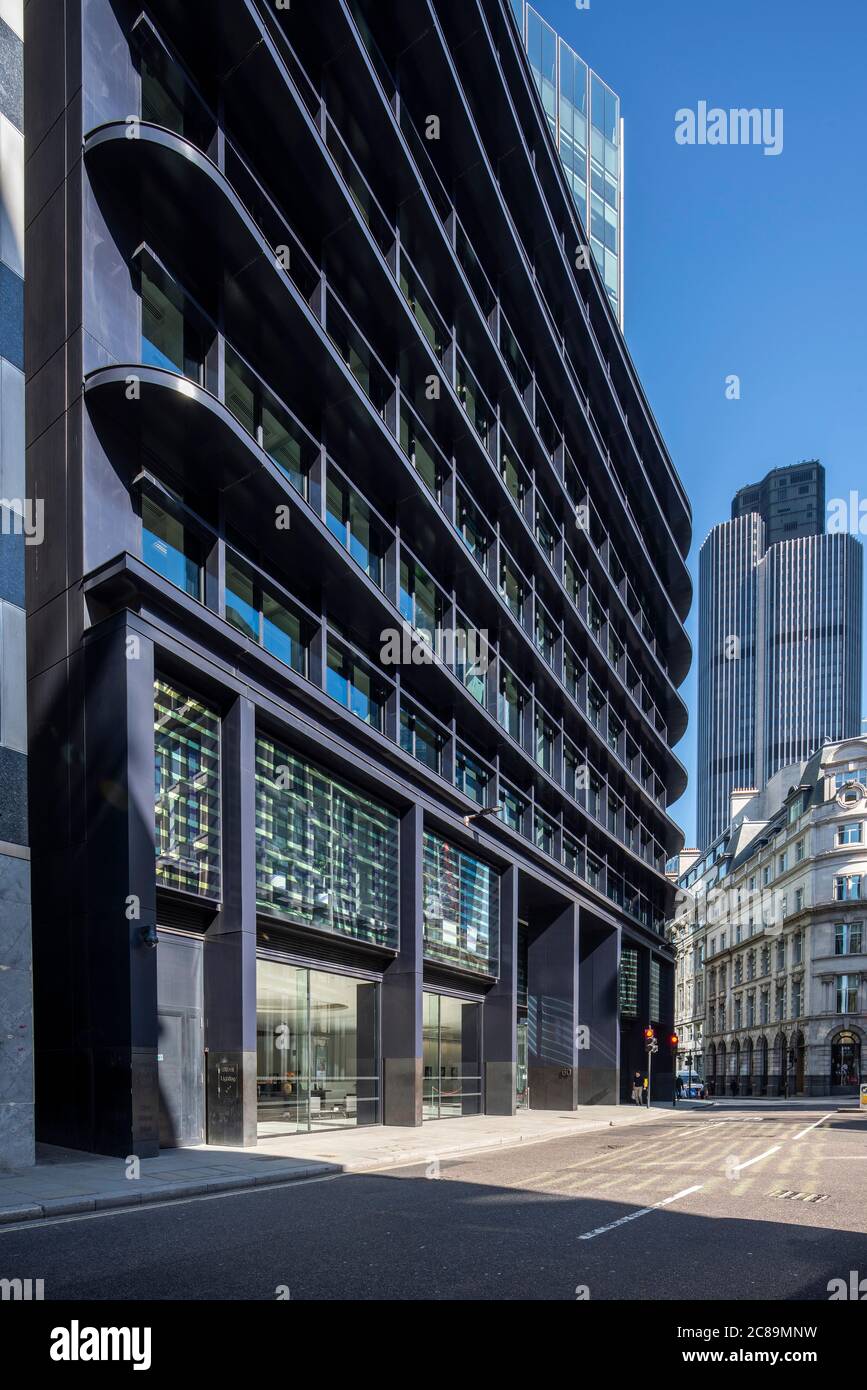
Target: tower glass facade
<point>583,116</point>
<point>779,639</point>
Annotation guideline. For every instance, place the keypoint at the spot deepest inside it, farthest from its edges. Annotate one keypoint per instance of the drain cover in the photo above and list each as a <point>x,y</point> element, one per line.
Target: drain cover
<point>789,1194</point>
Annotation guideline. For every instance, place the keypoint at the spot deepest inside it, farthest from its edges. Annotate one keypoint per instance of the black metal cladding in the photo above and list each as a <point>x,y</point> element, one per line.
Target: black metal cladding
<point>346,232</point>
<point>345,299</point>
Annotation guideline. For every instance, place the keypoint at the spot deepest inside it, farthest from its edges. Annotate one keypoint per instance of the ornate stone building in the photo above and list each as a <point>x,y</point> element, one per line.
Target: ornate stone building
<point>775,912</point>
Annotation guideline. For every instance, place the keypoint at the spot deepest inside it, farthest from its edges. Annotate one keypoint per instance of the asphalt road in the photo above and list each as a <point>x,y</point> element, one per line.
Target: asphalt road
<point>646,1212</point>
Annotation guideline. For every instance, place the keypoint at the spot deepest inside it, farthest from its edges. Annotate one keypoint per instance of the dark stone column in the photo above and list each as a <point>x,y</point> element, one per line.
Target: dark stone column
<point>500,1008</point>
<point>402,989</point>
<point>230,945</point>
<point>552,981</point>
<point>599,1047</point>
<point>119,1021</point>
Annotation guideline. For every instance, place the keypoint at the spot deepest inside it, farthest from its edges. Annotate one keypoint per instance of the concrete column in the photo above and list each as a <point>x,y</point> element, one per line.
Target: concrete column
<point>230,945</point>
<point>500,1008</point>
<point>552,983</point>
<point>402,988</point>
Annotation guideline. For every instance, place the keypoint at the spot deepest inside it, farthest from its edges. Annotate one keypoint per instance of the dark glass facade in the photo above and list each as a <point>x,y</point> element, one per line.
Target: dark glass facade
<point>360,491</point>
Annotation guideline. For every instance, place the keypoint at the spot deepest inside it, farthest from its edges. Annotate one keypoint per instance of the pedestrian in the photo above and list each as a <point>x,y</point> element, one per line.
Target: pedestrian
<point>636,1088</point>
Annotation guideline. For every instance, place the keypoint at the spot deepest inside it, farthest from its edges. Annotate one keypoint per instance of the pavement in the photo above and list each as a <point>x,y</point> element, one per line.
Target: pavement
<point>65,1182</point>
<point>727,1202</point>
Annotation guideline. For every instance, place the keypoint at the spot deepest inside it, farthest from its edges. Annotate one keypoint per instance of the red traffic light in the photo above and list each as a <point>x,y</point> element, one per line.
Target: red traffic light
<point>674,1040</point>
<point>649,1035</point>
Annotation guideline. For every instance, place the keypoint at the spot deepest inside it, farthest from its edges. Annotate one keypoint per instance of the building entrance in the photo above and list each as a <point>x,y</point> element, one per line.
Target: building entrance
<point>452,1057</point>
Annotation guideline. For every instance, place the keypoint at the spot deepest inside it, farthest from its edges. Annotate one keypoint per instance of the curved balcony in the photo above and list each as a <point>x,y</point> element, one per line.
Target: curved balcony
<point>182,199</point>
<point>172,417</point>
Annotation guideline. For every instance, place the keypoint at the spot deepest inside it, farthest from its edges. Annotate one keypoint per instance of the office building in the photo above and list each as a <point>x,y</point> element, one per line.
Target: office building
<point>779,639</point>
<point>355,643</point>
<point>583,116</point>
<point>771,920</point>
<point>19,528</point>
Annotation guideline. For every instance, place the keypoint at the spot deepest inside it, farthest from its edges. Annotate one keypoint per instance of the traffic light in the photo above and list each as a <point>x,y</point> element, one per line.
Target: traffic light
<point>650,1043</point>
<point>674,1040</point>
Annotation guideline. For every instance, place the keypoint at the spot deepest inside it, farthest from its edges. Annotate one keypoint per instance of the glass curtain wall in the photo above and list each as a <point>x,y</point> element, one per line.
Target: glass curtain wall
<point>461,907</point>
<point>186,791</point>
<point>326,855</point>
<point>317,1050</point>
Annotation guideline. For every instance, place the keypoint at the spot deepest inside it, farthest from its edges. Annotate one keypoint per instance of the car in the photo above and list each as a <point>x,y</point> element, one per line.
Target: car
<point>692,1086</point>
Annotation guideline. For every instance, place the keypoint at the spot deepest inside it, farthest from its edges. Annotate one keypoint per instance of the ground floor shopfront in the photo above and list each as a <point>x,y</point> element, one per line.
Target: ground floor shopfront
<point>283,935</point>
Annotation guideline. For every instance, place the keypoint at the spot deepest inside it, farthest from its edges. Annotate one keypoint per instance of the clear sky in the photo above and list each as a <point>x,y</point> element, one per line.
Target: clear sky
<point>736,261</point>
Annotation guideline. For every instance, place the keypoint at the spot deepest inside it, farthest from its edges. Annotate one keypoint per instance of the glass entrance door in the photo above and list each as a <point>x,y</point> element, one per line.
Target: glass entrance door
<point>522,1069</point>
<point>318,1062</point>
<point>451,1057</point>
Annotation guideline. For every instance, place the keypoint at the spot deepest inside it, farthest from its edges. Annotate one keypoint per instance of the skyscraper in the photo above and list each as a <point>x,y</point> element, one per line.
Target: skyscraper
<point>779,638</point>
<point>583,116</point>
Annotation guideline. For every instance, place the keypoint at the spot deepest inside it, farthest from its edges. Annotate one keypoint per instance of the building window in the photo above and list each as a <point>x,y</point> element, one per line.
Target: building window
<point>738,1012</point>
<point>797,998</point>
<point>573,855</point>
<point>782,863</point>
<point>475,533</point>
<point>512,588</point>
<point>171,548</point>
<point>849,833</point>
<point>510,705</point>
<point>461,907</point>
<point>351,521</point>
<point>353,685</point>
<point>173,334</point>
<point>800,851</point>
<point>262,617</point>
<point>263,416</point>
<point>799,899</point>
<point>544,751</point>
<point>628,981</point>
<point>326,855</point>
<point>797,947</point>
<point>847,887</point>
<point>545,635</point>
<point>544,832</point>
<point>514,808</point>
<point>187,792</point>
<point>421,602</point>
<point>847,994</point>
<point>848,938</point>
<point>420,739</point>
<point>471,777</point>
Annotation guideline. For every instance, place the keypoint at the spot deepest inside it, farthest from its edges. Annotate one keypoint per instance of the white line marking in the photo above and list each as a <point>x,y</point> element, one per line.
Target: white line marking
<point>814,1126</point>
<point>645,1211</point>
<point>758,1158</point>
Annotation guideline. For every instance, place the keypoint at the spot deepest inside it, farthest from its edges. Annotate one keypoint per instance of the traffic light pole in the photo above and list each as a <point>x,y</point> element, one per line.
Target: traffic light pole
<point>649,1075</point>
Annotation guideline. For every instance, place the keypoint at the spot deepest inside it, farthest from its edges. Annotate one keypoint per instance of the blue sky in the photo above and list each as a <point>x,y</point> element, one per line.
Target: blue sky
<point>735,261</point>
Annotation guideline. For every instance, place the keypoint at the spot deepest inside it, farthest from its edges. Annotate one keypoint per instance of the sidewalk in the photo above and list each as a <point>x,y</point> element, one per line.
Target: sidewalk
<point>66,1182</point>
